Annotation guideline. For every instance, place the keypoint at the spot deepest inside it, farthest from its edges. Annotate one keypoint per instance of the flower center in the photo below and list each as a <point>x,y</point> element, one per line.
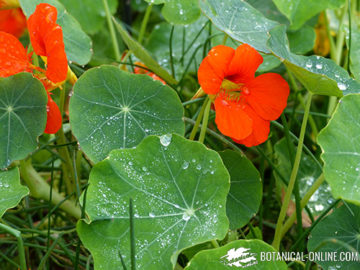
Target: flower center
<point>234,91</point>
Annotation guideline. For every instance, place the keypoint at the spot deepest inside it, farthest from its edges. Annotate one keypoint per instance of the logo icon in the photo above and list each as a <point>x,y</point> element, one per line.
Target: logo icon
<point>240,258</point>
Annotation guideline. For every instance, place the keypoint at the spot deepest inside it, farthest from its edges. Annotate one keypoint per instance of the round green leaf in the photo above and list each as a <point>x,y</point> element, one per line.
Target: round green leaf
<point>338,232</point>
<point>77,43</point>
<point>236,255</point>
<point>22,116</point>
<point>89,13</point>
<point>340,143</point>
<point>246,189</point>
<point>299,11</point>
<point>240,21</point>
<point>11,191</point>
<point>113,109</point>
<point>181,11</point>
<point>319,75</point>
<point>308,172</point>
<point>179,191</point>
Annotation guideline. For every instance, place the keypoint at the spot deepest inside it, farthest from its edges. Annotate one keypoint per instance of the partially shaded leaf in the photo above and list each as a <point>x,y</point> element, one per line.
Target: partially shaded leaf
<point>343,225</point>
<point>240,21</point>
<point>340,143</point>
<point>179,190</point>
<point>319,75</point>
<point>246,189</point>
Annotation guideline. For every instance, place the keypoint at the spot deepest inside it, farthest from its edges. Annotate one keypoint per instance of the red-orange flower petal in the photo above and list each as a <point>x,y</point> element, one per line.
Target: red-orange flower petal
<point>12,21</point>
<point>13,58</point>
<point>244,64</point>
<point>231,119</point>
<point>214,67</point>
<point>260,132</point>
<point>47,40</point>
<point>268,94</point>
<point>54,119</point>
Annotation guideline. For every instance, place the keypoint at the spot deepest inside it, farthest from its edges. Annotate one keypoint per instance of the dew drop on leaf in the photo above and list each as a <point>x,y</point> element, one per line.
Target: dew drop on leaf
<point>165,140</point>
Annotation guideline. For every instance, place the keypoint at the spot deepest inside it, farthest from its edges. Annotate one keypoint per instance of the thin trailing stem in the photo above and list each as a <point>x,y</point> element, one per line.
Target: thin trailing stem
<point>171,51</point>
<point>144,23</point>
<point>112,31</point>
<point>285,205</point>
<point>198,120</point>
<point>304,202</point>
<point>205,122</point>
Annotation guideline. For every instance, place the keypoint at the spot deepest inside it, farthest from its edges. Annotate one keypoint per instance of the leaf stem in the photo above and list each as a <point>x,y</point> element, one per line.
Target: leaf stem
<point>144,23</point>
<point>112,31</point>
<point>304,201</point>
<point>67,167</point>
<point>20,243</point>
<point>285,205</point>
<point>338,52</point>
<point>171,51</point>
<point>205,122</point>
<point>198,120</point>
<point>41,190</point>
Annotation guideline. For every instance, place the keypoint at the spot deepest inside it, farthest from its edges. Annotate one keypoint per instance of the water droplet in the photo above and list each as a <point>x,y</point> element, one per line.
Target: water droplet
<point>319,66</point>
<point>136,216</point>
<point>185,165</point>
<point>165,140</point>
<point>151,215</point>
<point>198,167</point>
<point>342,86</point>
<point>144,169</point>
<point>185,217</point>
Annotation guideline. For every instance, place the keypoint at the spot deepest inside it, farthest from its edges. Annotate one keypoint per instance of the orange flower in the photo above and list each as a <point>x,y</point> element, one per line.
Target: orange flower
<point>139,70</point>
<point>244,104</point>
<point>12,21</point>
<point>47,40</point>
<point>13,57</point>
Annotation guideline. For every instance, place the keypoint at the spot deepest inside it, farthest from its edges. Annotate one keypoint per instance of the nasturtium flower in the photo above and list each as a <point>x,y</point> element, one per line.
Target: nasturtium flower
<point>139,70</point>
<point>244,104</point>
<point>46,37</point>
<point>13,56</point>
<point>47,40</point>
<point>12,21</point>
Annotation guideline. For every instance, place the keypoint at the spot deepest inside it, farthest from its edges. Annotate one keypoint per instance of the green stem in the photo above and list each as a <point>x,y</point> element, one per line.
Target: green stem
<point>205,122</point>
<point>303,203</point>
<point>300,97</point>
<point>285,205</point>
<point>171,51</point>
<point>112,31</point>
<point>198,120</point>
<point>144,23</point>
<point>215,243</point>
<point>296,187</point>
<point>20,243</point>
<point>68,170</point>
<point>338,53</point>
<point>41,190</point>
